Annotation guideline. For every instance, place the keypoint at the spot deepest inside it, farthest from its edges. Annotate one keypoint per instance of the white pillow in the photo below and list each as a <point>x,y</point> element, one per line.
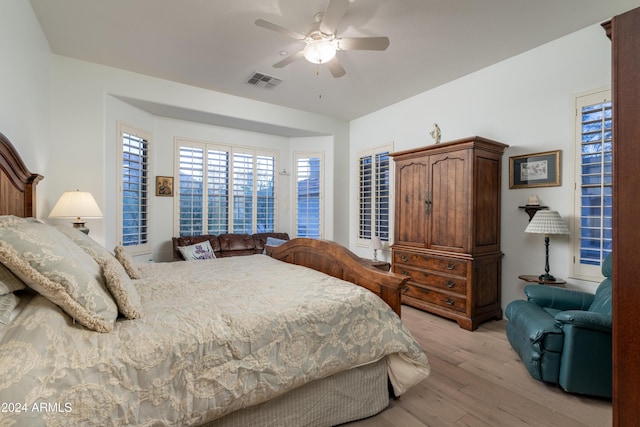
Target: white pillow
<point>197,251</point>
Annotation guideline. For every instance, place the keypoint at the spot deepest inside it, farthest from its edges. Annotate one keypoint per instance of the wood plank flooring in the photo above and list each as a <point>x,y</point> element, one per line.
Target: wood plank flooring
<point>478,380</point>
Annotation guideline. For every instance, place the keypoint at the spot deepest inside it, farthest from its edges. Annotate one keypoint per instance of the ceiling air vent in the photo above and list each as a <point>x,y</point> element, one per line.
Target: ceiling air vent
<point>264,81</point>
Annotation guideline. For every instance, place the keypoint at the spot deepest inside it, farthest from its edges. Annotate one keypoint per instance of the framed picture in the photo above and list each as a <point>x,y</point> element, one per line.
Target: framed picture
<point>535,170</point>
<point>164,186</point>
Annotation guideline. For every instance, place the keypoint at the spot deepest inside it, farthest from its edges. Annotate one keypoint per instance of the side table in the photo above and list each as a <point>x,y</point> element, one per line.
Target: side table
<point>536,279</point>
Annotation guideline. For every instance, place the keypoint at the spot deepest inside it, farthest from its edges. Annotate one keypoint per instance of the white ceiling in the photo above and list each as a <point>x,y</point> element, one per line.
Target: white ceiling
<point>215,44</point>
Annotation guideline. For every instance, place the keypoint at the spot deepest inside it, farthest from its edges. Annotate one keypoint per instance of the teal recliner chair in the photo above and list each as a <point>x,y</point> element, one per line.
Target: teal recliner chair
<point>564,336</point>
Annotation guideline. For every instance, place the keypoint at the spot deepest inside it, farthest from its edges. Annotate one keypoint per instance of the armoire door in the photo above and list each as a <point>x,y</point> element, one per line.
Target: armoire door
<point>449,202</point>
<point>411,195</point>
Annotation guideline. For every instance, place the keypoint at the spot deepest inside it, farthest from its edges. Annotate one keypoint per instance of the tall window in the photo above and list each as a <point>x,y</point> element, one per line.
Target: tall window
<point>373,194</point>
<point>224,189</point>
<point>594,190</point>
<point>309,194</point>
<point>134,190</point>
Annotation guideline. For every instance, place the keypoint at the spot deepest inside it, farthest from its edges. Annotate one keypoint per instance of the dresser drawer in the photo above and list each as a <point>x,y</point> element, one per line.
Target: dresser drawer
<point>442,299</point>
<point>450,266</point>
<point>434,280</point>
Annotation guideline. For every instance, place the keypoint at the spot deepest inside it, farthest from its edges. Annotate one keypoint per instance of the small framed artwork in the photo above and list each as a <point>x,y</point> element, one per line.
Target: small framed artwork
<point>535,170</point>
<point>164,186</point>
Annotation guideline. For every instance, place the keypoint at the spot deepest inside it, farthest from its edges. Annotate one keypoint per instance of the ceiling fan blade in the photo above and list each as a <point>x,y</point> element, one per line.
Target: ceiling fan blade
<point>333,16</point>
<point>289,59</point>
<point>363,43</point>
<point>277,28</point>
<point>335,68</point>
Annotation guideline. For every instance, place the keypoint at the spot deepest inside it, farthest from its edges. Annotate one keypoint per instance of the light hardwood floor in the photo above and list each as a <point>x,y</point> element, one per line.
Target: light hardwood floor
<point>478,380</point>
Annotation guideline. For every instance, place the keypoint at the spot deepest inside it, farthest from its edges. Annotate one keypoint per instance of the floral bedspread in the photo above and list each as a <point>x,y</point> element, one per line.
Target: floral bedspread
<point>216,336</point>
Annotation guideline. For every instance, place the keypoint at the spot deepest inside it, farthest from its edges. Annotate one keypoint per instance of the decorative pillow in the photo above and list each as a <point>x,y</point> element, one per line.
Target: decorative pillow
<point>9,282</point>
<point>273,241</point>
<point>197,251</point>
<point>122,288</point>
<point>89,245</point>
<point>7,303</point>
<point>53,265</point>
<point>127,262</point>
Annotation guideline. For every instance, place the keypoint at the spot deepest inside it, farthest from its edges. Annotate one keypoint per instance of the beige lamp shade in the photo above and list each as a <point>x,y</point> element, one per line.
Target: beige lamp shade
<point>76,204</point>
<point>376,244</point>
<point>547,222</point>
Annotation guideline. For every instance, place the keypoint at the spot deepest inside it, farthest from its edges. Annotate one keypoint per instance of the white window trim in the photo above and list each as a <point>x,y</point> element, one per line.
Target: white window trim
<point>579,271</point>
<point>303,155</point>
<point>231,149</point>
<point>124,128</point>
<point>372,152</point>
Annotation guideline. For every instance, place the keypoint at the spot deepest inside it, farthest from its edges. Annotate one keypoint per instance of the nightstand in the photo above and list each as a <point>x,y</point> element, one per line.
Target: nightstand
<point>536,279</point>
<point>382,265</point>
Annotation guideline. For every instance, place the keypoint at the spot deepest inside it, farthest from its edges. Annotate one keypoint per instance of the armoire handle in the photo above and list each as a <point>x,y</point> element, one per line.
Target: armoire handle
<point>427,202</point>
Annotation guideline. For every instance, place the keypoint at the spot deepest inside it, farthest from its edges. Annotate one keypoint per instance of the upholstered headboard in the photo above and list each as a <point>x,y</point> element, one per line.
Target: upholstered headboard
<point>17,184</point>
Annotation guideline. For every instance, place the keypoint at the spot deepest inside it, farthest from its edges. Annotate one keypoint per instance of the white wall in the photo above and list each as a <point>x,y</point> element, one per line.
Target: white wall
<point>87,106</point>
<point>526,102</point>
<point>25,85</point>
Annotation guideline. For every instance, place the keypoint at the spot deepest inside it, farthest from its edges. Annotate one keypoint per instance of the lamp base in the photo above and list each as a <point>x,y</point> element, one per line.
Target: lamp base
<point>546,278</point>
<point>80,226</point>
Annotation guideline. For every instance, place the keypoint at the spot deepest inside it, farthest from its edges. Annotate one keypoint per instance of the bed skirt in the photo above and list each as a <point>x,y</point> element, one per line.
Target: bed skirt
<point>346,396</point>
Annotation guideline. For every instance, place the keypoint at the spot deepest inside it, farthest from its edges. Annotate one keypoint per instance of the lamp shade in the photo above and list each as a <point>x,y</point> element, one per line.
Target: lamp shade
<point>76,204</point>
<point>547,222</point>
<point>376,243</point>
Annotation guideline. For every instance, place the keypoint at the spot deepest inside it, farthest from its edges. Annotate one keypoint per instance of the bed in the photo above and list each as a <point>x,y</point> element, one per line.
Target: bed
<point>97,339</point>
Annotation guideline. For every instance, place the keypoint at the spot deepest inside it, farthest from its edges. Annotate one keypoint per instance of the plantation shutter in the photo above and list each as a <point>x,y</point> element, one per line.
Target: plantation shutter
<point>308,196</point>
<point>135,190</point>
<point>595,179</point>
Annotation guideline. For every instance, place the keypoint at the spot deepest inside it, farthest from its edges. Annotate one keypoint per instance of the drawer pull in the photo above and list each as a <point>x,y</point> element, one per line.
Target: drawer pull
<point>405,273</point>
<point>450,284</point>
<point>405,288</point>
<point>449,301</point>
<point>404,258</point>
<point>451,266</point>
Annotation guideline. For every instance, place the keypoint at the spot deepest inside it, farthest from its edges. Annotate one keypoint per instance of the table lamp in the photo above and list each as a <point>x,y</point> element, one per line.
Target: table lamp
<point>376,244</point>
<point>79,205</point>
<point>547,222</point>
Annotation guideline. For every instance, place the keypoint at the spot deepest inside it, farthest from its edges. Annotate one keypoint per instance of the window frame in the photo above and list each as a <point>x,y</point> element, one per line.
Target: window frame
<point>580,270</point>
<point>232,151</point>
<point>375,214</point>
<point>301,155</point>
<point>144,248</point>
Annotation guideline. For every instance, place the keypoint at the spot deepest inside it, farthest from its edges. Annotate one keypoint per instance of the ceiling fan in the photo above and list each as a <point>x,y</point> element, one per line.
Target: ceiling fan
<point>321,39</point>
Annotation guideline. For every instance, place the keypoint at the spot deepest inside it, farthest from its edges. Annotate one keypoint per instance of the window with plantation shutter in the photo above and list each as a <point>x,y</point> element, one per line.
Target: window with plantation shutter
<point>309,194</point>
<point>133,203</point>
<point>217,192</point>
<point>594,189</point>
<point>224,189</point>
<point>242,192</point>
<point>373,195</point>
<point>266,200</point>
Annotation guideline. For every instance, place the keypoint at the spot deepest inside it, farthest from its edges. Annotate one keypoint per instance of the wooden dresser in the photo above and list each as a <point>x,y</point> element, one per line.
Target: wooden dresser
<point>447,229</point>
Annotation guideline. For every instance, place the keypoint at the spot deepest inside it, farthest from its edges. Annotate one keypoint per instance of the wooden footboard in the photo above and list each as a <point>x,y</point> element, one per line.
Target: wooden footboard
<point>337,261</point>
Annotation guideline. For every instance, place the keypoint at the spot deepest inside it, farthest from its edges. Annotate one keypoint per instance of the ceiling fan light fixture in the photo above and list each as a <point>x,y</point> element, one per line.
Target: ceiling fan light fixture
<point>320,51</point>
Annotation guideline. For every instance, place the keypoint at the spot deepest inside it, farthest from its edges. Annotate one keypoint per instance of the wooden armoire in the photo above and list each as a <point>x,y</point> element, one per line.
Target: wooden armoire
<point>447,229</point>
<point>624,32</point>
